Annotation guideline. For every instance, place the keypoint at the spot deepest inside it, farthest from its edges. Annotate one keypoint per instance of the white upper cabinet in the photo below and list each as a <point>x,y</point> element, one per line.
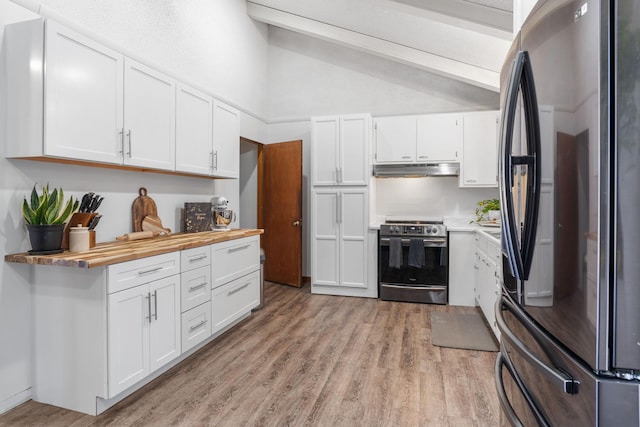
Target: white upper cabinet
<point>83,104</point>
<point>480,149</point>
<point>340,149</point>
<point>194,138</point>
<point>226,141</point>
<point>395,139</point>
<point>149,117</point>
<point>439,138</point>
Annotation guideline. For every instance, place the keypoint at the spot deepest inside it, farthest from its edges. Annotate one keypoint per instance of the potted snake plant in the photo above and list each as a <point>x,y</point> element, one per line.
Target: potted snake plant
<point>45,214</point>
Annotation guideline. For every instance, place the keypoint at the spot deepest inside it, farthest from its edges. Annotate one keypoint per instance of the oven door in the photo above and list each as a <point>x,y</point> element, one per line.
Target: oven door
<point>425,284</point>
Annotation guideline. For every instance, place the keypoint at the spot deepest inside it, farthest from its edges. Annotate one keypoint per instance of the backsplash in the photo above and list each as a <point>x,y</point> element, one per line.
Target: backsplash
<point>427,196</point>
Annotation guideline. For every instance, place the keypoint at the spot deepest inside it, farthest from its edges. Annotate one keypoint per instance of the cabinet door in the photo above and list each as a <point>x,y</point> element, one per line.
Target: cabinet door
<point>83,100</point>
<point>325,237</point>
<point>164,327</point>
<point>233,300</point>
<point>439,137</point>
<point>194,117</point>
<point>461,268</point>
<point>226,141</point>
<point>354,150</point>
<point>325,140</point>
<point>353,223</point>
<point>480,150</point>
<point>149,117</point>
<point>128,338</point>
<point>395,139</point>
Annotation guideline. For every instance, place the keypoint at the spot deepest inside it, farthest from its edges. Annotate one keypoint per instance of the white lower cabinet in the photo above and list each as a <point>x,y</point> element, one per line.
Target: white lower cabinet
<point>488,277</point>
<point>101,333</point>
<point>461,272</point>
<point>480,150</point>
<point>232,301</point>
<point>143,331</point>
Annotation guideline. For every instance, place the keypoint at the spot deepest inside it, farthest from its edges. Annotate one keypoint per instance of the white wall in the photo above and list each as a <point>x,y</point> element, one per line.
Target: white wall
<point>310,77</point>
<point>248,185</point>
<point>211,45</point>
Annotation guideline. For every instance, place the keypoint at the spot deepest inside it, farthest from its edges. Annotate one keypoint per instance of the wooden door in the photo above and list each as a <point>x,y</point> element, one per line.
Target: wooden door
<point>282,212</point>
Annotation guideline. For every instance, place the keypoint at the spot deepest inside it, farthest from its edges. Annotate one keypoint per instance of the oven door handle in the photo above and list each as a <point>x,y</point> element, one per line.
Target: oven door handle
<point>384,241</point>
<point>415,288</point>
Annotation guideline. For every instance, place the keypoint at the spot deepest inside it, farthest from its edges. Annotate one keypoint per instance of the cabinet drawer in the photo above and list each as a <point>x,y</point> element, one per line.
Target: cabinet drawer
<point>196,287</point>
<point>195,257</point>
<point>196,325</point>
<point>133,273</point>
<point>231,301</point>
<point>233,259</point>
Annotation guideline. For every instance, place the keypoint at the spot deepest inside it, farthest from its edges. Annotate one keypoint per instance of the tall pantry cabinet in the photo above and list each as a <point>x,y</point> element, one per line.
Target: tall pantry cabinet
<point>340,174</point>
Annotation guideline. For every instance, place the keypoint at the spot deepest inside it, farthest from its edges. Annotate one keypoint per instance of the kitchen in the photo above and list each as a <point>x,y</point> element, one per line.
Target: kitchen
<point>287,54</point>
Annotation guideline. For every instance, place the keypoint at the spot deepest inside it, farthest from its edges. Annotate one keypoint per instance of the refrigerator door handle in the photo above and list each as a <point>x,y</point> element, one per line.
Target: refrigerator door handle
<point>503,361</point>
<point>505,167</point>
<point>562,379</point>
<point>520,254</point>
<point>532,124</point>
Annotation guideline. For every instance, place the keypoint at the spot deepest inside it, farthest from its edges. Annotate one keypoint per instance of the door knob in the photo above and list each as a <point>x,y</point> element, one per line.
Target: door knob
<point>297,222</point>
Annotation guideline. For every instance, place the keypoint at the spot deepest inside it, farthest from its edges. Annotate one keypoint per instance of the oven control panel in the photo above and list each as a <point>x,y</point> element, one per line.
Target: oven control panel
<point>436,230</point>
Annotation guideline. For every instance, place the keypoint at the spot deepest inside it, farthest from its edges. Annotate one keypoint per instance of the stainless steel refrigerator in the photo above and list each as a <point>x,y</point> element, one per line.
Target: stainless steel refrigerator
<point>569,314</point>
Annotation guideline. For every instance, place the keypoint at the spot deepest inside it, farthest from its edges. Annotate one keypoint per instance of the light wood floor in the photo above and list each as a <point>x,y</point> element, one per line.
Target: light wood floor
<point>310,360</point>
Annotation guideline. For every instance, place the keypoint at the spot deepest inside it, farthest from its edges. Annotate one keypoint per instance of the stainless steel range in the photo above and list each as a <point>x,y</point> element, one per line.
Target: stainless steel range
<point>413,261</point>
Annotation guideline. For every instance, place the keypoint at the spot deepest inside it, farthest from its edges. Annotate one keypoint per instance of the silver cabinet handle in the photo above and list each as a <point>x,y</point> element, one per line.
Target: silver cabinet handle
<point>151,270</point>
<point>211,160</point>
<point>199,325</point>
<point>201,285</point>
<point>129,139</point>
<point>406,157</point>
<point>239,288</point>
<point>339,208</point>
<point>148,298</point>
<point>239,248</point>
<point>121,151</point>
<point>201,257</point>
<point>423,157</point>
<point>155,304</point>
<point>215,160</point>
<point>470,180</point>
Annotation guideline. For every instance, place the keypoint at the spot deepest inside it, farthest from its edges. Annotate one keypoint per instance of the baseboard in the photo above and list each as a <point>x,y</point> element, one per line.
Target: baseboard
<point>15,400</point>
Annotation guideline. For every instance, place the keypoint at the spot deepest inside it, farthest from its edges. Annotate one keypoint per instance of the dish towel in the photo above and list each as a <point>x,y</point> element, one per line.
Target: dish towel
<point>416,253</point>
<point>395,252</point>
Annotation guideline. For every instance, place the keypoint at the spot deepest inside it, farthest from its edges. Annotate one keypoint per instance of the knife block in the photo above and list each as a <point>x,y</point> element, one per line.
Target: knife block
<point>78,218</point>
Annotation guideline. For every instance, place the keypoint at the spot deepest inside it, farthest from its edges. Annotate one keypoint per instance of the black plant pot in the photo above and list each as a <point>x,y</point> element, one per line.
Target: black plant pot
<point>45,239</point>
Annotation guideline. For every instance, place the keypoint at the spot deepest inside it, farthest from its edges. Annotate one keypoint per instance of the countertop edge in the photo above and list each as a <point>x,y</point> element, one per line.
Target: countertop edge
<point>100,256</point>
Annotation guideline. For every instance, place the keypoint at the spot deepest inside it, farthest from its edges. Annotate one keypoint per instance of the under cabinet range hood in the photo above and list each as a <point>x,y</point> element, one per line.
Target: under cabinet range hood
<point>416,170</point>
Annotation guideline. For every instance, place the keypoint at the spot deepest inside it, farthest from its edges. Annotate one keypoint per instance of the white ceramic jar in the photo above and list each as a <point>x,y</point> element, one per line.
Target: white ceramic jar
<point>78,239</point>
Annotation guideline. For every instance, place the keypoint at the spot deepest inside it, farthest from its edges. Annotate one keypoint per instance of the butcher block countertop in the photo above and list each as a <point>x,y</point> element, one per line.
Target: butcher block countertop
<point>119,251</point>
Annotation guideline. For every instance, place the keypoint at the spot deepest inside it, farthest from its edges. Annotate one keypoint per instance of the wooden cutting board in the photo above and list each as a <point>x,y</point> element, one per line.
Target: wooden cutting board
<point>143,205</point>
<point>154,223</point>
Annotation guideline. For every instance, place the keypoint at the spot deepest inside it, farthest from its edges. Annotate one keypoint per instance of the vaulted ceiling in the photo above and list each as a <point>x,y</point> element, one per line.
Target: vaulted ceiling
<point>465,40</point>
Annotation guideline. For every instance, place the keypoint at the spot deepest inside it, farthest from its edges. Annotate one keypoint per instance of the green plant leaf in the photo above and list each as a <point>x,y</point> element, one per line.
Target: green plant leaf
<point>69,208</point>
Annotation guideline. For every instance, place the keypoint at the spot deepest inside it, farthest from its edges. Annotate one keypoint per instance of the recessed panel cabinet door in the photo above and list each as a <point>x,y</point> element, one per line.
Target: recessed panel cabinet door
<point>149,117</point>
<point>325,134</point>
<point>194,118</point>
<point>353,242</point>
<point>128,341</point>
<point>325,237</point>
<point>83,102</point>
<point>164,328</point>
<point>355,133</point>
<point>480,150</point>
<point>226,141</point>
<point>439,138</point>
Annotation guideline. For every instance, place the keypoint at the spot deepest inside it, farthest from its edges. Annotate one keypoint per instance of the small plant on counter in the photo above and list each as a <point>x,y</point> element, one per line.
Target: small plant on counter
<point>48,208</point>
<point>45,215</point>
<point>484,206</point>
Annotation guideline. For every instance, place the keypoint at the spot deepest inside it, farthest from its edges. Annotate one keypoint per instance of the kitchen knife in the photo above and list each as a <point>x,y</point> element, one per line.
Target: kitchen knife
<point>86,201</point>
<point>95,203</point>
<point>94,222</point>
